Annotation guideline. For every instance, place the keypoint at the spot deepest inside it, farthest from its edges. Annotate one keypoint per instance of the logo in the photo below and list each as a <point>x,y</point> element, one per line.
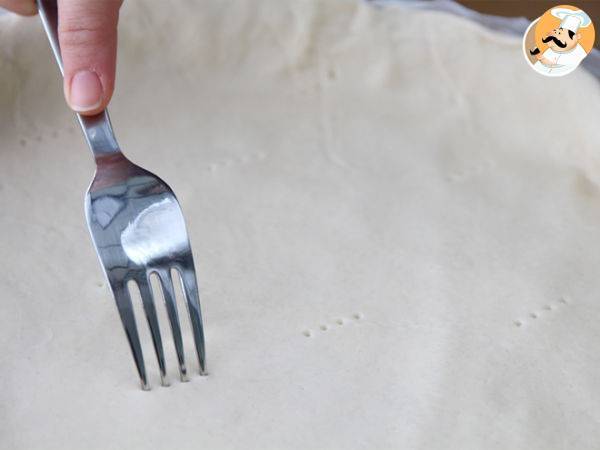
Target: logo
<point>557,42</point>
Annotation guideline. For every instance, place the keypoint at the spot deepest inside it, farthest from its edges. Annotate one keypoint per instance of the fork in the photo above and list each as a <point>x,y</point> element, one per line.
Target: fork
<point>138,230</point>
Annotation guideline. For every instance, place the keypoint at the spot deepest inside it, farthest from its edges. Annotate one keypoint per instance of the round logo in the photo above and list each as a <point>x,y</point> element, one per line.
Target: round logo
<point>556,43</point>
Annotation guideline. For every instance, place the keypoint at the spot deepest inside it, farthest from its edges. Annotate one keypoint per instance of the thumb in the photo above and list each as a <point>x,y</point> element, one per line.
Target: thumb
<point>87,32</point>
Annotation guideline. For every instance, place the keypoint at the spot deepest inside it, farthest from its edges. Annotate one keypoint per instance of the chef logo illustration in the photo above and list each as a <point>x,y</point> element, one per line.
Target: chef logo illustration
<point>555,43</point>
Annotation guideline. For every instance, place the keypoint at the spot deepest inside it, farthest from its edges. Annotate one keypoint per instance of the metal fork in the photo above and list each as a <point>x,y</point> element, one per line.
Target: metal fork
<point>138,230</point>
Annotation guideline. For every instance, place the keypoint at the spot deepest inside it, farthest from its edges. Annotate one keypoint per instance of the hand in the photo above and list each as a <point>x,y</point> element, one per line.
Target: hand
<point>87,32</point>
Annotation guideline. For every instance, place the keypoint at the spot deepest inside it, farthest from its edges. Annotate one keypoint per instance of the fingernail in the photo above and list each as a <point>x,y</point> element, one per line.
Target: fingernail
<point>27,8</point>
<point>85,93</point>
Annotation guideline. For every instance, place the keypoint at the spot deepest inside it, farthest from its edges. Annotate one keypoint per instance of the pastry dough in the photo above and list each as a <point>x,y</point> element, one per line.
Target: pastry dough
<point>395,223</point>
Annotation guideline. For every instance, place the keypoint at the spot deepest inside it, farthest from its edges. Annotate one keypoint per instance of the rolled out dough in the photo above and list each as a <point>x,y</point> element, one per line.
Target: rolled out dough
<point>396,225</point>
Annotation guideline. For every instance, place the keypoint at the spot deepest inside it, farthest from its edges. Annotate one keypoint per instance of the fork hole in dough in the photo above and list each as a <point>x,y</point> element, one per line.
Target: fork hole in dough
<point>340,321</point>
<point>357,316</point>
<point>323,327</point>
<point>533,315</point>
<point>307,333</point>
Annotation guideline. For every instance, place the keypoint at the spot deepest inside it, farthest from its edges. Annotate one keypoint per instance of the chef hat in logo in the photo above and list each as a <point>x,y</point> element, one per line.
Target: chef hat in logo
<point>571,19</point>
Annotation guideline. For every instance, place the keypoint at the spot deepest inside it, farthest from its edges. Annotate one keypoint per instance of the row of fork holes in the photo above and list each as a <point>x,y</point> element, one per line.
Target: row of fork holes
<point>191,360</point>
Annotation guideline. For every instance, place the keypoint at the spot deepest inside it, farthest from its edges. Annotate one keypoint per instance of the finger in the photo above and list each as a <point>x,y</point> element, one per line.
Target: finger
<point>23,7</point>
<point>87,32</point>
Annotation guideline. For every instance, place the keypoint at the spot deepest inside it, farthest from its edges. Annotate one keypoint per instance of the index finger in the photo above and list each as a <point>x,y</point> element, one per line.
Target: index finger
<point>23,7</point>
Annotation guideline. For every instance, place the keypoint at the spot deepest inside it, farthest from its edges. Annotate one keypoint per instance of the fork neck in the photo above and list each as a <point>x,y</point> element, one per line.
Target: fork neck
<point>99,134</point>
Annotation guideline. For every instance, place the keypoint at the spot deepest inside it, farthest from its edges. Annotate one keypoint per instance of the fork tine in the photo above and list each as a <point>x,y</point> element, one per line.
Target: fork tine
<point>190,288</point>
<point>166,284</point>
<point>149,308</point>
<point>123,301</point>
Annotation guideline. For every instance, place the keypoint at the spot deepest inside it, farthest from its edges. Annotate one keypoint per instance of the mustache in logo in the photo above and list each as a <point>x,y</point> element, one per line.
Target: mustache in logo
<point>555,40</point>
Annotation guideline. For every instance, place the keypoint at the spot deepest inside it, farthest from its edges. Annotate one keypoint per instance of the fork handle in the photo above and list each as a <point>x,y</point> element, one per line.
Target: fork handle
<point>97,129</point>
